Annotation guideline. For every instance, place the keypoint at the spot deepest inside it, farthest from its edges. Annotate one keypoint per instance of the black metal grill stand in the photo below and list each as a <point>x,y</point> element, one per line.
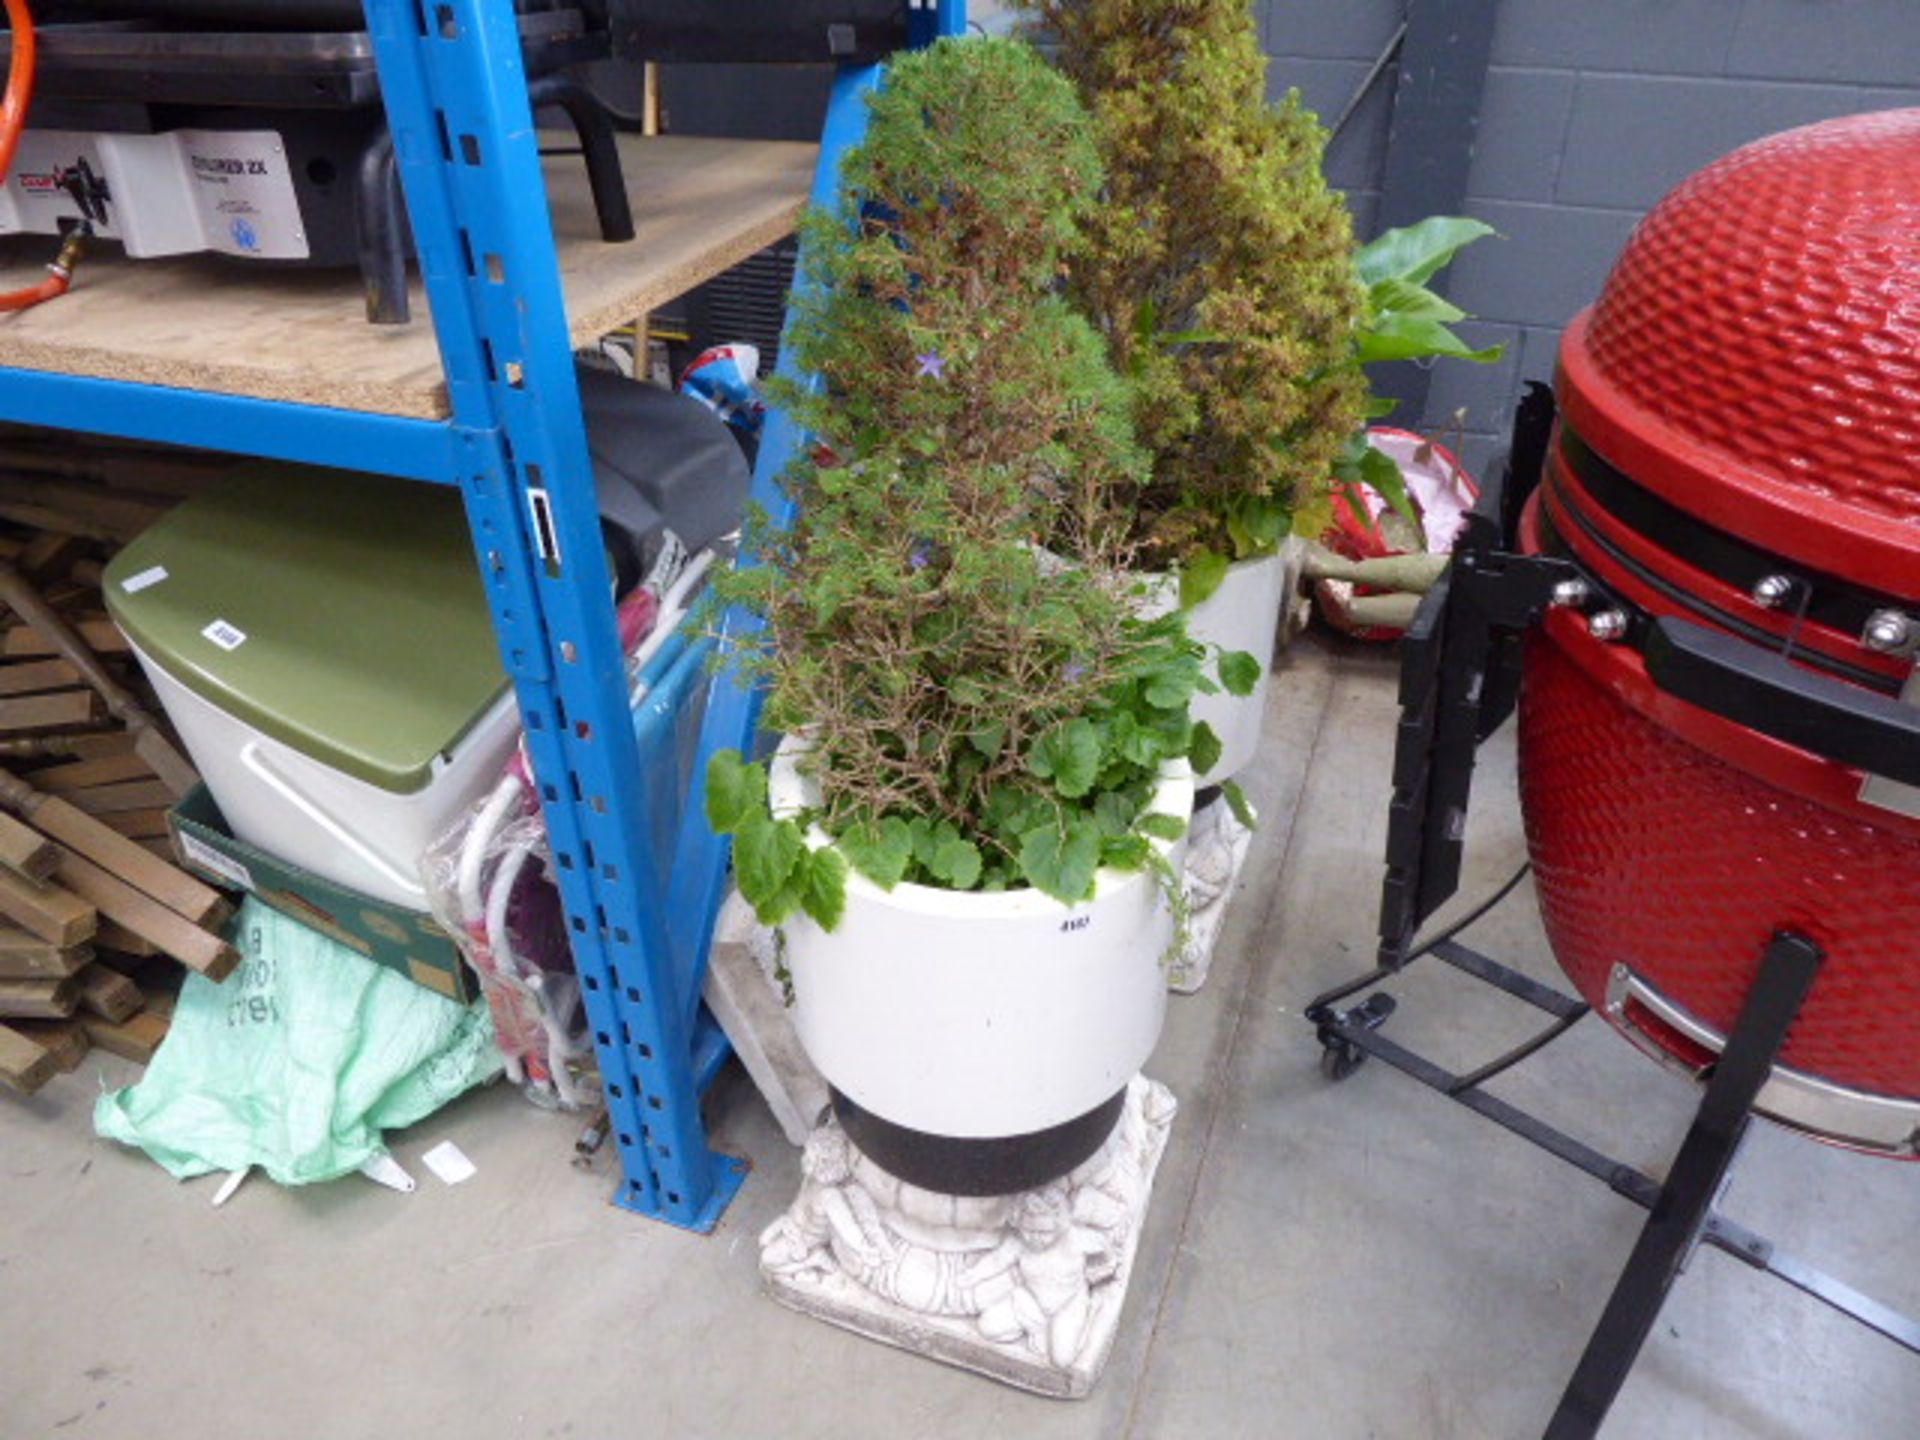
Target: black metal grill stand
<point>1458,682</point>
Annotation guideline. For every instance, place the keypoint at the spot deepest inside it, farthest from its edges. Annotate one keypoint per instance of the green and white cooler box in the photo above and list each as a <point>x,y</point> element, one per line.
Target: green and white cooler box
<point>321,642</point>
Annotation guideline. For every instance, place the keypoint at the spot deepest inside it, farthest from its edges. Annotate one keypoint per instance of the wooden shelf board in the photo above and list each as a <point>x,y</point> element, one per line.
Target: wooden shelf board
<point>236,328</point>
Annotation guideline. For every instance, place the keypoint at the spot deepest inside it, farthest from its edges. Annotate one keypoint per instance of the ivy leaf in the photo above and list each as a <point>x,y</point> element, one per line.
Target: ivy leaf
<point>736,792</point>
<point>967,691</point>
<point>1069,755</point>
<point>1161,826</point>
<point>880,850</point>
<point>1062,863</point>
<point>778,910</point>
<point>1238,803</point>
<point>1113,813</point>
<point>1010,812</point>
<point>1239,672</point>
<point>956,863</point>
<point>765,854</point>
<point>967,768</point>
<point>1126,852</point>
<point>1204,750</point>
<point>1135,742</point>
<point>927,837</point>
<point>1172,685</point>
<point>1237,533</point>
<point>1200,576</point>
<point>822,885</point>
<point>1265,521</point>
<point>988,739</point>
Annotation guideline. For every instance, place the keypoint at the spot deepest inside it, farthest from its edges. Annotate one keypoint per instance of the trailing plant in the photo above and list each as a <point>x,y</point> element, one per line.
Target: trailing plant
<point>978,714</point>
<point>1219,271</point>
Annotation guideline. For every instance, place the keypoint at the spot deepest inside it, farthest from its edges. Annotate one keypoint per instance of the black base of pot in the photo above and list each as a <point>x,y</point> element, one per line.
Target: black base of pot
<point>1205,796</point>
<point>1002,1165</point>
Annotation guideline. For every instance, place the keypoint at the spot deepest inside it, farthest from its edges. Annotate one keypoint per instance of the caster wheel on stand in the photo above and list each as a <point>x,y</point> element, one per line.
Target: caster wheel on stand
<point>1339,1056</point>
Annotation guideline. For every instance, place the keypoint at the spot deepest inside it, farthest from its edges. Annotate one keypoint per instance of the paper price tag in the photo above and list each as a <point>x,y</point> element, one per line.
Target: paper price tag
<point>152,575</point>
<point>225,634</point>
<point>210,859</point>
<point>449,1162</point>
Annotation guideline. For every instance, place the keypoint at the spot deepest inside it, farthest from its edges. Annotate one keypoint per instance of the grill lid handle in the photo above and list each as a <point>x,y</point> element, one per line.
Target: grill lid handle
<point>1764,691</point>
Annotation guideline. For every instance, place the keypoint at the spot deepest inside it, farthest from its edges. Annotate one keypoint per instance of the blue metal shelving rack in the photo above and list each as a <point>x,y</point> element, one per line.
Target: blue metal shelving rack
<point>455,93</point>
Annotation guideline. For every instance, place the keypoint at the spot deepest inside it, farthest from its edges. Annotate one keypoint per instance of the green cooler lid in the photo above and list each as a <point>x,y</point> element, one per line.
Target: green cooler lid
<point>338,612</point>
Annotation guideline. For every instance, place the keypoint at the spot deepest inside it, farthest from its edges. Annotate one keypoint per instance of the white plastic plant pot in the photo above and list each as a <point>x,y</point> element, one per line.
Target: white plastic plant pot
<point>982,1043</point>
<point>1243,614</point>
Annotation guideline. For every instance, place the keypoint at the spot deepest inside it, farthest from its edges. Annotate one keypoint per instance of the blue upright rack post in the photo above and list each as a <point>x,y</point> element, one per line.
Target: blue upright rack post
<point>452,77</point>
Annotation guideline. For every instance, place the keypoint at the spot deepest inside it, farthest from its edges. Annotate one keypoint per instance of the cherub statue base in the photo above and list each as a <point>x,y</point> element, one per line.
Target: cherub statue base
<point>1216,851</point>
<point>1024,1288</point>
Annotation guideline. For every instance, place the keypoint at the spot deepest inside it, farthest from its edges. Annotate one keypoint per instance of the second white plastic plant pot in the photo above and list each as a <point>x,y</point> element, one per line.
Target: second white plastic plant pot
<point>977,1015</point>
<point>1243,614</point>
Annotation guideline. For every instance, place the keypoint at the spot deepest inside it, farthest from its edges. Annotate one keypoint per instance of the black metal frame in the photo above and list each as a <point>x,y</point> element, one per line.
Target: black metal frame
<point>1459,682</point>
<point>1831,600</point>
<point>380,217</point>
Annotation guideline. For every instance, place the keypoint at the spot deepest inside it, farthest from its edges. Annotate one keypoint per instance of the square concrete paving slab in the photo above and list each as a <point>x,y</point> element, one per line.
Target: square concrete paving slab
<point>1361,1261</point>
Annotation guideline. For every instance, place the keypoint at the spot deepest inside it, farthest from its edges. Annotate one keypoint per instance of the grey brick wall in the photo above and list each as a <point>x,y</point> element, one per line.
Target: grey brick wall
<point>1593,109</point>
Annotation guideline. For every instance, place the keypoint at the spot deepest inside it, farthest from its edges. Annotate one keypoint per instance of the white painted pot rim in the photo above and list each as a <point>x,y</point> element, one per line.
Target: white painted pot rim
<point>1246,564</point>
<point>1163,586</point>
<point>790,791</point>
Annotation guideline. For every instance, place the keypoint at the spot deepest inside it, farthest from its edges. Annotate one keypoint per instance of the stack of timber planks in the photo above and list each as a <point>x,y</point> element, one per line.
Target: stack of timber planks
<point>95,919</point>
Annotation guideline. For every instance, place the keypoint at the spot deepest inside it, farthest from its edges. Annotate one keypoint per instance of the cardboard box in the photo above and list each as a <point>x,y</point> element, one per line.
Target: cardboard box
<point>402,940</point>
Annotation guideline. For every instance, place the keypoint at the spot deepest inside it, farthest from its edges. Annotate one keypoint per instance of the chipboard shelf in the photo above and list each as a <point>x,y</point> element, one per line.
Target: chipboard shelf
<point>282,365</point>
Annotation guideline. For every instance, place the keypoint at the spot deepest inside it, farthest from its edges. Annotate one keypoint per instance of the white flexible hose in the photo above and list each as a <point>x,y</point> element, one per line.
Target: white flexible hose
<point>530,979</point>
<point>499,939</point>
<point>484,898</point>
<point>493,815</point>
<point>507,968</point>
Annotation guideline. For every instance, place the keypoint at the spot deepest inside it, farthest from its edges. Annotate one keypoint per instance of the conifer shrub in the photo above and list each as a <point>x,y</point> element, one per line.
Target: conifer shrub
<point>1220,271</point>
<point>980,714</point>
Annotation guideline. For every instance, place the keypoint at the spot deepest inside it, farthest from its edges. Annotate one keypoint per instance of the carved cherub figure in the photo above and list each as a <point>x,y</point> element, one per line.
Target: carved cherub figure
<point>1050,1304</point>
<point>1210,846</point>
<point>798,1244</point>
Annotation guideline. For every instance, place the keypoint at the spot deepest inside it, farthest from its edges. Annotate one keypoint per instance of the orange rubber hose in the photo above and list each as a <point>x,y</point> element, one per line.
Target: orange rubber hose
<point>13,123</point>
<point>50,288</point>
<point>20,71</point>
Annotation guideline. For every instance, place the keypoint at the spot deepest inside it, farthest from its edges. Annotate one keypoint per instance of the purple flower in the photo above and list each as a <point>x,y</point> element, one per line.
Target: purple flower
<point>921,555</point>
<point>932,365</point>
<point>1074,672</point>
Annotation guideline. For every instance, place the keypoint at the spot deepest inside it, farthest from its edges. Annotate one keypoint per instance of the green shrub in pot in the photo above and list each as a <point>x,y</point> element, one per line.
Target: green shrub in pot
<point>979,717</point>
<point>1220,271</point>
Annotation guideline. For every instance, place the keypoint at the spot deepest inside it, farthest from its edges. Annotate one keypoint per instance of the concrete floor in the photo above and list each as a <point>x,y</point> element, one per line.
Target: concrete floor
<point>1333,1262</point>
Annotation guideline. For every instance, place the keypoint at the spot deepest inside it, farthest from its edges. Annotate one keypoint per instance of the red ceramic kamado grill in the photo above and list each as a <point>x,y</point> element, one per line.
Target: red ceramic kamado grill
<point>1699,573</point>
<point>1739,450</point>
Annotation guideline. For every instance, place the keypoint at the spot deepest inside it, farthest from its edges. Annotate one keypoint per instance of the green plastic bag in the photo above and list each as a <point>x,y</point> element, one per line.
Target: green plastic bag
<point>298,1061</point>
